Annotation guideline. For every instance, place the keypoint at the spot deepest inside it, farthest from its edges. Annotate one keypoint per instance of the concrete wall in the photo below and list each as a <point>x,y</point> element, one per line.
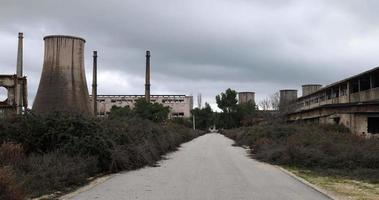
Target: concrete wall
<point>180,105</point>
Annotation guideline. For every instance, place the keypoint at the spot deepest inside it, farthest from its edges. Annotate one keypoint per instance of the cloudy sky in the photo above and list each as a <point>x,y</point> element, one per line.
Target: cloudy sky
<point>200,46</point>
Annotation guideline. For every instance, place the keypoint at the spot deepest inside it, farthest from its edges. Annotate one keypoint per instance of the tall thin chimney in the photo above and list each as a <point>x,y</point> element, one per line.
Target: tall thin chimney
<point>147,81</point>
<point>94,83</point>
<point>19,73</point>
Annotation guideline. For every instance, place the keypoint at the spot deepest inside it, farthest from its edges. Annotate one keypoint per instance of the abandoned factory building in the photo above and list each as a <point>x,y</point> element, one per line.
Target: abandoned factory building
<point>352,102</point>
<point>180,105</point>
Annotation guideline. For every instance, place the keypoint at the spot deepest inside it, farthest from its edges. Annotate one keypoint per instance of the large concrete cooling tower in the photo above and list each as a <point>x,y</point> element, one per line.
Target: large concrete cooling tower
<point>63,85</point>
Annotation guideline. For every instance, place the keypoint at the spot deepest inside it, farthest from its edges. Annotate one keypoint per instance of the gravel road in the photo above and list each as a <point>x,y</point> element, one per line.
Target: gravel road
<point>207,168</point>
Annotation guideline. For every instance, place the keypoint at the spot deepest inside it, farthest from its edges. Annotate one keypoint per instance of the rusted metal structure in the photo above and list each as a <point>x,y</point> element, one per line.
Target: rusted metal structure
<point>352,102</point>
<point>63,85</point>
<point>16,101</point>
<point>147,77</point>
<point>94,83</point>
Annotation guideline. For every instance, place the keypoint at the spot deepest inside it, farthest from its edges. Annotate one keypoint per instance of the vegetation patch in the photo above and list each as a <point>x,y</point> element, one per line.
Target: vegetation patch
<point>326,155</point>
<point>58,152</point>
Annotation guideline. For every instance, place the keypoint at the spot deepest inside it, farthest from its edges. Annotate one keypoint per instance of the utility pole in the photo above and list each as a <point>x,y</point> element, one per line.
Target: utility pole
<point>193,122</point>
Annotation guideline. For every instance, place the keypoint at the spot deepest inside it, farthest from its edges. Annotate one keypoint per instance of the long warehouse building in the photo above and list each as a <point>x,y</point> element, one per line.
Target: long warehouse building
<point>352,102</point>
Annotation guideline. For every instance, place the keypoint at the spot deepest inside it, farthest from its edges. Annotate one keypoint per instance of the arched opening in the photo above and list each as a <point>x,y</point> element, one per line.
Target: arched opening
<point>3,94</point>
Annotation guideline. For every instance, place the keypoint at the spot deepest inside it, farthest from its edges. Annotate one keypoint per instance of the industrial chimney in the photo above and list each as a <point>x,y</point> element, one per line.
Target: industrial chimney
<point>94,83</point>
<point>20,89</point>
<point>147,77</point>
<point>63,85</point>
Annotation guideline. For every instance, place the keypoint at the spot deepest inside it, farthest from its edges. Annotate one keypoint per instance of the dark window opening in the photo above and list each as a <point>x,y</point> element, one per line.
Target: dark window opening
<point>373,125</point>
<point>343,89</point>
<point>337,120</point>
<point>375,79</point>
<point>328,94</point>
<point>354,86</point>
<point>335,92</point>
<point>364,83</point>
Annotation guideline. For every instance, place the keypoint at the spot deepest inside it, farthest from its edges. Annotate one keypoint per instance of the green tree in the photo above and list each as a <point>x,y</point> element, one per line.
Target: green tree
<point>120,112</point>
<point>227,101</point>
<point>153,111</point>
<point>203,117</point>
<point>233,114</point>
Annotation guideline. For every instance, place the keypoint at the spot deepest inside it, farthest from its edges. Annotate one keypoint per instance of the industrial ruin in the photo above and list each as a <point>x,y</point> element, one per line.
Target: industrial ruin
<point>63,85</point>
<point>352,102</point>
<point>180,105</point>
<point>246,97</point>
<point>16,101</point>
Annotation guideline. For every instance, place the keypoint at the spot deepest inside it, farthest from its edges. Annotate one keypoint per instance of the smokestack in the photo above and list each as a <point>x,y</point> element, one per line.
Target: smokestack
<point>94,83</point>
<point>147,77</point>
<point>63,85</point>
<point>19,73</point>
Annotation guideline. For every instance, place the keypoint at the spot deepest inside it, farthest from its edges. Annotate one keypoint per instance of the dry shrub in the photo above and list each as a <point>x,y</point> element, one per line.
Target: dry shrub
<point>9,189</point>
<point>10,153</point>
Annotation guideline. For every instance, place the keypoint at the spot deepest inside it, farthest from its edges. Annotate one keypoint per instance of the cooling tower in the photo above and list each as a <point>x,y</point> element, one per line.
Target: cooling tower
<point>63,85</point>
<point>286,98</point>
<point>310,88</point>
<point>245,97</point>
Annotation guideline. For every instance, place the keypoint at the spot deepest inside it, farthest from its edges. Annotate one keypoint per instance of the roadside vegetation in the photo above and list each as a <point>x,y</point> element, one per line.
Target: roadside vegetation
<point>58,152</point>
<point>326,155</point>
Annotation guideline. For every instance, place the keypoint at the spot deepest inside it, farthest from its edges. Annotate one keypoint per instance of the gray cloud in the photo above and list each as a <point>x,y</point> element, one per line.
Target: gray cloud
<point>200,45</point>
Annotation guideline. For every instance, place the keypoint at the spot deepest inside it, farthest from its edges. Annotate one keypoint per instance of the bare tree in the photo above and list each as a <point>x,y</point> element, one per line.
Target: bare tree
<point>274,101</point>
<point>270,103</point>
<point>264,104</point>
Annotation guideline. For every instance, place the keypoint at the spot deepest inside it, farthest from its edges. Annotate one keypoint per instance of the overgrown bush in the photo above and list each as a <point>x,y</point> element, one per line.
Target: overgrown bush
<point>58,151</point>
<point>9,189</point>
<point>321,146</point>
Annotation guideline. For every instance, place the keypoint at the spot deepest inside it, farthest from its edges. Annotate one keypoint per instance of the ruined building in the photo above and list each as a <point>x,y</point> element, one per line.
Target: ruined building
<point>15,87</point>
<point>63,85</point>
<point>180,105</point>
<point>352,102</point>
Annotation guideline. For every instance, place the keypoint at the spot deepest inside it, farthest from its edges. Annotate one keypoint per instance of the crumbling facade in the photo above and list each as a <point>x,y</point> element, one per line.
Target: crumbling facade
<point>13,85</point>
<point>180,105</point>
<point>352,102</point>
<point>16,101</point>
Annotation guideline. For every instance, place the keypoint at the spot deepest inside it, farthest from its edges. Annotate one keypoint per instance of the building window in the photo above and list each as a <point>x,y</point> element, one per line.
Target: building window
<point>344,89</point>
<point>375,79</point>
<point>354,86</point>
<point>364,83</point>
<point>373,125</point>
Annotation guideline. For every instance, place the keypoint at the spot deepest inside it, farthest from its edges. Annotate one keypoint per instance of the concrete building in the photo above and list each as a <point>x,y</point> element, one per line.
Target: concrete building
<point>245,97</point>
<point>180,105</point>
<point>352,102</point>
<point>63,85</point>
<point>15,87</point>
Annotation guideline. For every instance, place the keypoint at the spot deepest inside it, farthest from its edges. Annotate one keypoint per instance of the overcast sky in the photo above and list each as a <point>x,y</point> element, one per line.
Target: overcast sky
<point>199,46</point>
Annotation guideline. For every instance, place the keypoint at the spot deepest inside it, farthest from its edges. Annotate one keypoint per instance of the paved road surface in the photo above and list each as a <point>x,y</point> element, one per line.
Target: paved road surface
<point>207,168</point>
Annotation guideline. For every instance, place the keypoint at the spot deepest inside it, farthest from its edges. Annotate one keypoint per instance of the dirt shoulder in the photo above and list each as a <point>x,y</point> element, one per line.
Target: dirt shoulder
<point>338,184</point>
